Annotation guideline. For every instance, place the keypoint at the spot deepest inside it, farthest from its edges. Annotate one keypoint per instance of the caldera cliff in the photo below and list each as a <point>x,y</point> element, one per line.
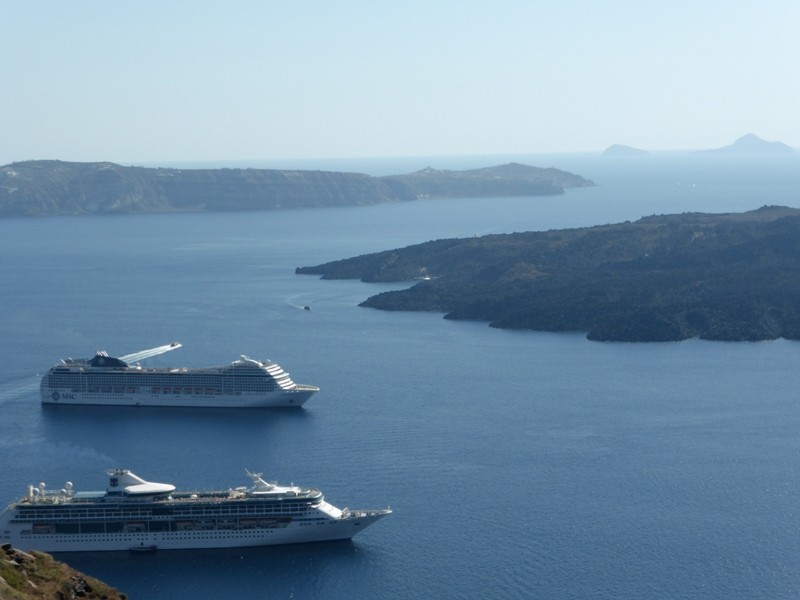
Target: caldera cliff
<point>51,187</point>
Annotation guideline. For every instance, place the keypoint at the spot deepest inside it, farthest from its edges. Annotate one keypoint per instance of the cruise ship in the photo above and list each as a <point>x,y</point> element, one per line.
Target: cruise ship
<point>138,515</point>
<point>107,380</point>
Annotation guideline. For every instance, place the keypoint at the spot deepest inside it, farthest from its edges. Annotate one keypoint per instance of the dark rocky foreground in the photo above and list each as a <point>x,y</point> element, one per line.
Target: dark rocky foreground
<point>51,187</point>
<point>663,278</point>
<point>33,575</point>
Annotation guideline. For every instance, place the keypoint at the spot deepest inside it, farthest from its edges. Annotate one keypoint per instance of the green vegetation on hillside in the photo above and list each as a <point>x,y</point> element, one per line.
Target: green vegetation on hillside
<point>36,575</point>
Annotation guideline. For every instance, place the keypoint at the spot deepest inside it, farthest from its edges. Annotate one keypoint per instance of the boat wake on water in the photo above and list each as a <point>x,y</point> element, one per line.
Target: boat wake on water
<point>296,301</point>
<point>18,388</point>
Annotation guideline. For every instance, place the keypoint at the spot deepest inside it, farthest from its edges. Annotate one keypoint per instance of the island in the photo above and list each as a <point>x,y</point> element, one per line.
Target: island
<point>52,187</point>
<point>733,277</point>
<point>752,144</point>
<point>623,150</point>
<point>513,179</point>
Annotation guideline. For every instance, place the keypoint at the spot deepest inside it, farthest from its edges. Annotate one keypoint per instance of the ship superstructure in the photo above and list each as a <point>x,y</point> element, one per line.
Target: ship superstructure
<point>107,380</point>
<point>134,514</point>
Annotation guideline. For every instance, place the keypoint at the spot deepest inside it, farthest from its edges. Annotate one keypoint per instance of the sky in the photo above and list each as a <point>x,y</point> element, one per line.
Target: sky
<point>145,81</point>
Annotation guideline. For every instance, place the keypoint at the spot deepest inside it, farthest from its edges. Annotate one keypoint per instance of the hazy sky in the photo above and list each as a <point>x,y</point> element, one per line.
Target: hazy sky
<point>171,81</point>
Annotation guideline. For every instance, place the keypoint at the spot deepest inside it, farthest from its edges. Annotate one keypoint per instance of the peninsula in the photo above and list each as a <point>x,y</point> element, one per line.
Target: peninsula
<point>662,278</point>
<point>51,187</point>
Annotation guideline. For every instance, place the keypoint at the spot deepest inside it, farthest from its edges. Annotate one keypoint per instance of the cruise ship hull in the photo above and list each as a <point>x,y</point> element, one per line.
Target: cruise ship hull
<point>138,515</point>
<point>277,399</point>
<point>110,381</point>
<point>294,533</point>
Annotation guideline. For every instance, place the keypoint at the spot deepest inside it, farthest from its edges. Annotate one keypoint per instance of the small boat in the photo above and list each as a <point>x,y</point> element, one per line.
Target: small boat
<point>142,549</point>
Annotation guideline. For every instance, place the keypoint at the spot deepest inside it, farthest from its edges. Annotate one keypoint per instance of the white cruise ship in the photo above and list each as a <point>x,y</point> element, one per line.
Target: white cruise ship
<point>106,380</point>
<point>137,515</point>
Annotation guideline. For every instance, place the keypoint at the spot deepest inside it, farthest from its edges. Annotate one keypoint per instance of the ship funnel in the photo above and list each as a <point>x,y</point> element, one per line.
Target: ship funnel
<point>132,484</point>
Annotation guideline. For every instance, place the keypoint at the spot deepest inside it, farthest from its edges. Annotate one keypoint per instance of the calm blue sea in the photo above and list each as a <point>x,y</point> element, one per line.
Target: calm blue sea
<point>518,464</point>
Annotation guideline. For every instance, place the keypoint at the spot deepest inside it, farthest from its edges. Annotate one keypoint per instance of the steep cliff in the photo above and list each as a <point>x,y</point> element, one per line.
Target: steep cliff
<point>56,188</point>
<point>50,187</point>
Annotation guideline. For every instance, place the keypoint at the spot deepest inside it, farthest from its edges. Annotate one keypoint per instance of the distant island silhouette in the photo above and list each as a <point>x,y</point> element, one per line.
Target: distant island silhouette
<point>51,187</point>
<point>663,278</point>
<point>752,144</point>
<point>747,144</point>
<point>622,150</point>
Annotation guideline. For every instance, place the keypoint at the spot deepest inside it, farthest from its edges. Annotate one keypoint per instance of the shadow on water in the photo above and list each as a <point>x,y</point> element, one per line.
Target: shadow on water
<point>61,420</point>
<point>62,411</point>
<point>146,436</point>
<point>276,571</point>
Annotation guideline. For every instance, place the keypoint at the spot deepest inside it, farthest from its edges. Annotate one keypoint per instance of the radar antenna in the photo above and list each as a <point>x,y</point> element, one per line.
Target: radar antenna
<point>137,356</point>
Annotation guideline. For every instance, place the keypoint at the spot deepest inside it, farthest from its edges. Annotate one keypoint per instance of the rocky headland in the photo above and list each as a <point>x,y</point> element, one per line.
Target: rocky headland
<point>36,575</point>
<point>51,187</point>
<point>729,277</point>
